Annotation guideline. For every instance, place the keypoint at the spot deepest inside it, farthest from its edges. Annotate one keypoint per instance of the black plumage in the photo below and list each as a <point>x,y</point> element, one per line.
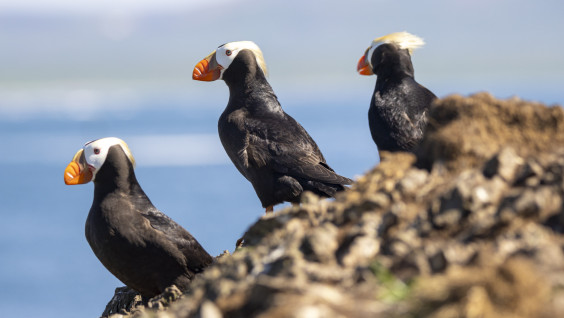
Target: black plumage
<point>140,245</point>
<point>399,105</point>
<point>268,147</point>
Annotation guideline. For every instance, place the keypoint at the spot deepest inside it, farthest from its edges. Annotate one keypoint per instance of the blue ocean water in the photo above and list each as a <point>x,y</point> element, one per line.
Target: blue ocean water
<point>47,268</point>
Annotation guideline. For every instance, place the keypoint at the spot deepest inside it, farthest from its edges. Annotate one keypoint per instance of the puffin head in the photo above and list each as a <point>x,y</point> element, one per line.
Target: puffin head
<point>217,62</point>
<point>88,160</point>
<point>381,46</point>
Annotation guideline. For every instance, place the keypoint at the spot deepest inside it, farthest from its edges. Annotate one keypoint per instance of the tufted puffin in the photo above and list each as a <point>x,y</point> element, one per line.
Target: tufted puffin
<point>270,149</point>
<point>399,105</point>
<point>136,242</point>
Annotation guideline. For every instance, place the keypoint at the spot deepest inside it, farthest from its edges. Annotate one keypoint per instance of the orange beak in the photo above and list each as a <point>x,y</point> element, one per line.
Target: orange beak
<point>363,67</point>
<point>77,171</point>
<point>207,70</point>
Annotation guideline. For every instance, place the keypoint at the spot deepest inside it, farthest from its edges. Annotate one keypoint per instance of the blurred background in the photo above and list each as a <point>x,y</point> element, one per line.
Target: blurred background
<point>74,71</point>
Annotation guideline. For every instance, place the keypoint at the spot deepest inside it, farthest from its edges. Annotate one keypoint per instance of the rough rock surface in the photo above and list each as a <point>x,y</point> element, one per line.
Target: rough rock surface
<point>470,226</point>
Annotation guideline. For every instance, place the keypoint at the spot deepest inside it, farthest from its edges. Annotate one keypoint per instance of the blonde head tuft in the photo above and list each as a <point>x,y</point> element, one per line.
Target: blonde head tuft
<point>403,39</point>
<point>260,60</point>
<point>128,153</point>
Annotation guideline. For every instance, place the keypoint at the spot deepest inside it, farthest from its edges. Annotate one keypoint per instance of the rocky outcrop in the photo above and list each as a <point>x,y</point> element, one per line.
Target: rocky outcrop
<point>470,226</point>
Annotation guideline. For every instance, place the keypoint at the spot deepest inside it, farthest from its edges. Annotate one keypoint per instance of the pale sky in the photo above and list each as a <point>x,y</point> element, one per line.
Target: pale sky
<point>55,50</point>
<point>90,7</point>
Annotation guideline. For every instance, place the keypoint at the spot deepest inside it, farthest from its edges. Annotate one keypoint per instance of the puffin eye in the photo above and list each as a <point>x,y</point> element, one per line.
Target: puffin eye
<point>228,52</point>
<point>96,151</point>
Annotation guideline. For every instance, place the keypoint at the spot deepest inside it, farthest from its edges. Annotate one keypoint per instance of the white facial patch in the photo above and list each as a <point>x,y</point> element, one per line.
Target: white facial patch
<point>226,53</point>
<point>95,152</point>
<point>369,55</point>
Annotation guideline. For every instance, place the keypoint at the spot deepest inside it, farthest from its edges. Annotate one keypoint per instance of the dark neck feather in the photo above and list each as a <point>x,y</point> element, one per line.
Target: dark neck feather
<point>248,86</point>
<point>116,176</point>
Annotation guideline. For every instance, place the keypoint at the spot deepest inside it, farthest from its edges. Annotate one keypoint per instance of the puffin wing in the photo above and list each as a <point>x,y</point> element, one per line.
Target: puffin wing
<point>415,116</point>
<point>413,129</point>
<point>287,148</point>
<point>300,167</point>
<point>404,121</point>
<point>196,257</point>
